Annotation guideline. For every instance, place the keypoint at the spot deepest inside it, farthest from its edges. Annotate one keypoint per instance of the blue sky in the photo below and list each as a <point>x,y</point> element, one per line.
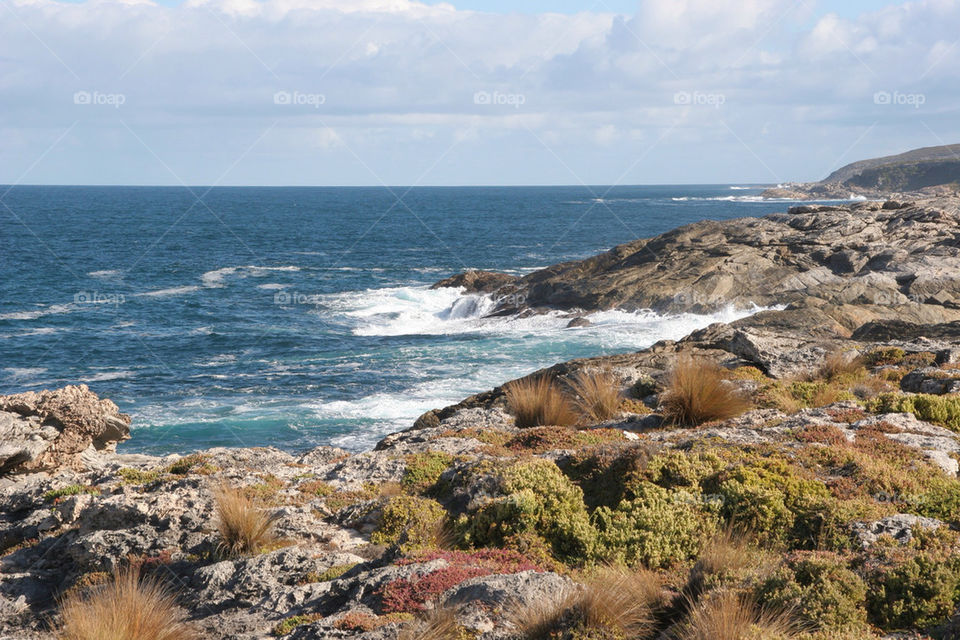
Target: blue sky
<point>400,92</point>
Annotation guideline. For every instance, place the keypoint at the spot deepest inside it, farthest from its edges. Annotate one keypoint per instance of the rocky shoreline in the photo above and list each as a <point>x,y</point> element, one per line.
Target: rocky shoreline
<point>826,493</point>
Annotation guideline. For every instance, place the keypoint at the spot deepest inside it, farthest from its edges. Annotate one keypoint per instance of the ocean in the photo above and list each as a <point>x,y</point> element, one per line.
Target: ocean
<point>295,317</point>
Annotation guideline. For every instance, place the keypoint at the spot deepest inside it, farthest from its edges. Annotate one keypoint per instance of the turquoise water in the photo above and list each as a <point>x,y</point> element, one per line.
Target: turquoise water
<point>301,316</point>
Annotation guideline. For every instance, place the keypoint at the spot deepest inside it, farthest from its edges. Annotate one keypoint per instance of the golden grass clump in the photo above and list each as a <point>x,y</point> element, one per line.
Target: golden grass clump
<point>127,608</point>
<point>435,624</point>
<point>840,364</point>
<point>728,555</point>
<point>697,392</point>
<point>728,616</point>
<point>539,402</point>
<point>597,396</point>
<point>244,528</point>
<point>614,600</point>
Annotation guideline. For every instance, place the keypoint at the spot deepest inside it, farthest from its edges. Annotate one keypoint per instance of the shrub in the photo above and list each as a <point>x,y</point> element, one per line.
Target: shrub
<point>698,393</point>
<point>332,573</point>
<point>195,462</point>
<point>778,501</point>
<point>410,522</point>
<point>728,616</point>
<point>884,356</point>
<point>129,475</point>
<point>597,396</point>
<point>55,495</point>
<point>287,625</point>
<point>128,608</point>
<point>542,439</point>
<point>424,469</point>
<point>243,528</point>
<point>604,473</point>
<point>942,410</point>
<point>535,497</point>
<point>614,603</point>
<point>819,588</point>
<point>916,584</point>
<point>537,402</point>
<point>658,528</point>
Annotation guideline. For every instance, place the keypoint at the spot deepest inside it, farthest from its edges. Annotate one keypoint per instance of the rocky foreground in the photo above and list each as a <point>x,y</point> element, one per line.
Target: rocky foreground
<point>826,498</point>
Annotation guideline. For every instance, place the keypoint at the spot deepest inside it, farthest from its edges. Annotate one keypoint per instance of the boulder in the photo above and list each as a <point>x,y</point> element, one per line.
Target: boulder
<point>46,430</point>
<point>476,281</point>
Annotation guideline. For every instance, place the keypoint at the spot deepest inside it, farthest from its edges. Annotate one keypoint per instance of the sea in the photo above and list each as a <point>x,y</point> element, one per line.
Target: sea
<point>297,317</point>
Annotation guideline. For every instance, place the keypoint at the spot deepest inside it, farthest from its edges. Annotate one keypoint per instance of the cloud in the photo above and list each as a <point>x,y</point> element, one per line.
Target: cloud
<point>784,92</point>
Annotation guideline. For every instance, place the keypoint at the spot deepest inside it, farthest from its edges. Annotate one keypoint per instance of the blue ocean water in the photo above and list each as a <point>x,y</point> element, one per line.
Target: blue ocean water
<point>301,316</point>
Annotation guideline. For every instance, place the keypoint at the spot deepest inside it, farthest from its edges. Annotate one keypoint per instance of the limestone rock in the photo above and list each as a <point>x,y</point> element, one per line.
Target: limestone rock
<point>46,430</point>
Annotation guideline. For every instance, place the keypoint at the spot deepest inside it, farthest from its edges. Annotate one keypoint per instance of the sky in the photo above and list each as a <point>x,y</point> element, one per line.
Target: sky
<point>469,92</point>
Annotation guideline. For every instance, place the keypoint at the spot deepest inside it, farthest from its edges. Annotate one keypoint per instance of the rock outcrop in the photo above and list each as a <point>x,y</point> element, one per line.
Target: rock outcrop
<point>860,262</point>
<point>46,430</point>
<point>476,281</point>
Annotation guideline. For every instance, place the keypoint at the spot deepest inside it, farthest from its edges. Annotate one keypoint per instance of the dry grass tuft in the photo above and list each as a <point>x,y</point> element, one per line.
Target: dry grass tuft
<point>697,392</point>
<point>244,528</point>
<point>728,616</point>
<point>538,402</point>
<point>436,624</point>
<point>614,600</point>
<point>597,396</point>
<point>728,554</point>
<point>839,364</point>
<point>127,608</point>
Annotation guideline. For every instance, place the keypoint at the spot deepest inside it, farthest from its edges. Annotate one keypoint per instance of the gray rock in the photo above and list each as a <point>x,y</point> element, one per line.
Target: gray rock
<point>46,430</point>
<point>900,527</point>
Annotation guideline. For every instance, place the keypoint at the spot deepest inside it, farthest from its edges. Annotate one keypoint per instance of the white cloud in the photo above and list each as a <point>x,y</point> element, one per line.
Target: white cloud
<point>401,82</point>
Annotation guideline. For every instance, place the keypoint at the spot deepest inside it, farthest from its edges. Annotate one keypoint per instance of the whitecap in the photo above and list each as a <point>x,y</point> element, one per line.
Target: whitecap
<point>24,372</point>
<point>172,291</point>
<point>104,376</point>
<point>106,274</point>
<point>216,278</point>
<point>52,309</point>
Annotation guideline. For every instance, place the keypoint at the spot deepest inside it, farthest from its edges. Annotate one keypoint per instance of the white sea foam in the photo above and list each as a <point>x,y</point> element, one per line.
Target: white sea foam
<point>399,311</point>
<point>217,277</point>
<point>103,376</point>
<point>172,291</point>
<point>107,274</point>
<point>24,372</point>
<point>48,310</point>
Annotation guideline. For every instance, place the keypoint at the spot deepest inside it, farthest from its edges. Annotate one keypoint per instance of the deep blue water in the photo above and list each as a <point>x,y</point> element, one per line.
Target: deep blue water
<point>300,316</point>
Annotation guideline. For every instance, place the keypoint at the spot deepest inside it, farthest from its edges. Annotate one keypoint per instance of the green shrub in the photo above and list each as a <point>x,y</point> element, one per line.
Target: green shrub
<point>778,501</point>
<point>410,522</point>
<point>129,475</point>
<point>683,469</point>
<point>332,573</point>
<point>658,528</point>
<point>424,469</point>
<point>70,490</point>
<point>535,497</point>
<point>819,588</point>
<point>942,410</point>
<point>884,356</point>
<point>914,585</point>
